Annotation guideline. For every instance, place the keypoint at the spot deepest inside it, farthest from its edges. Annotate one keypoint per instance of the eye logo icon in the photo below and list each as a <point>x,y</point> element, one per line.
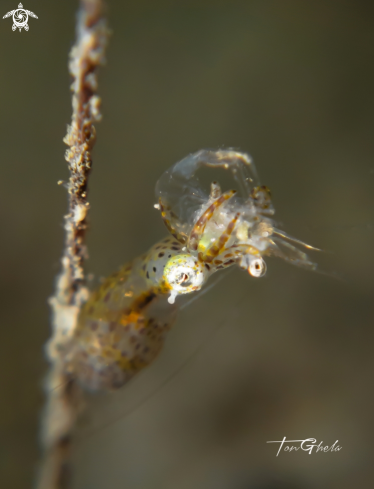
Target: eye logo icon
<point>20,17</point>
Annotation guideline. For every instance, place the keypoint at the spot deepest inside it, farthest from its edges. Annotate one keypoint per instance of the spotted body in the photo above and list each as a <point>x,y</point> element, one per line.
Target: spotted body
<point>122,327</point>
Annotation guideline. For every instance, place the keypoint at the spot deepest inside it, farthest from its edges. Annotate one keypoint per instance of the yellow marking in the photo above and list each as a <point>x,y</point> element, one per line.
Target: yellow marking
<point>201,223</point>
<point>181,238</point>
<point>129,318</point>
<point>216,249</point>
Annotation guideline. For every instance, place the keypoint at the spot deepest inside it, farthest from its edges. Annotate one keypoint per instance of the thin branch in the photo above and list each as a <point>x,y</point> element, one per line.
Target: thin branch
<point>64,401</point>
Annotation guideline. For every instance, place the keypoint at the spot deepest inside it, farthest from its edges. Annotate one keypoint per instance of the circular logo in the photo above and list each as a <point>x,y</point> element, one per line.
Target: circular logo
<point>20,18</point>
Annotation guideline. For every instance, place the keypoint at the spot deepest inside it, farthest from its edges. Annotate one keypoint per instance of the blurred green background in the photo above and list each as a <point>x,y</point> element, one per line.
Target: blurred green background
<point>289,81</point>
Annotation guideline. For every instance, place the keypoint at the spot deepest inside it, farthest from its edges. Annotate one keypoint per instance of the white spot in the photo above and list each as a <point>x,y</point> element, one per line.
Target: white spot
<point>80,212</point>
<point>172,297</point>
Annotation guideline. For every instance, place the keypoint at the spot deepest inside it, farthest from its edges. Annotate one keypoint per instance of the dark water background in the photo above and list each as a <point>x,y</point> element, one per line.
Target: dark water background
<point>290,82</point>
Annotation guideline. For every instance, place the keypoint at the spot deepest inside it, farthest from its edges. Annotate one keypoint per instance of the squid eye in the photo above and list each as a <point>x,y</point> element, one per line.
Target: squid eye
<point>182,279</point>
<point>183,274</point>
<point>257,267</point>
